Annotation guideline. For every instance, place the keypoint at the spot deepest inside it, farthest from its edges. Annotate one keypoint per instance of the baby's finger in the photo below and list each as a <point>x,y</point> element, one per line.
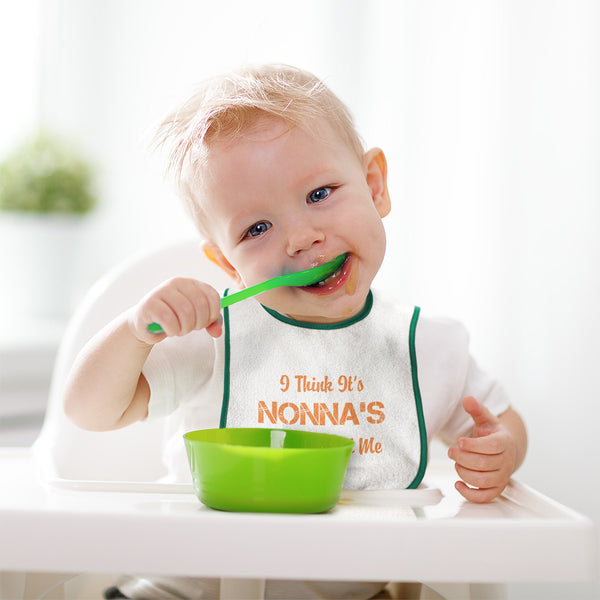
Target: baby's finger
<point>206,304</point>
<point>185,311</point>
<point>474,460</point>
<point>481,415</point>
<point>215,329</point>
<point>480,479</point>
<point>495,443</point>
<point>162,312</point>
<point>170,308</point>
<point>477,496</point>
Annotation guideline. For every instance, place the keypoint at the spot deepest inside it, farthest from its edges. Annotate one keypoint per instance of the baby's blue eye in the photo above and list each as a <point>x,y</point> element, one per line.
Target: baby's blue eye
<point>319,194</point>
<point>258,229</point>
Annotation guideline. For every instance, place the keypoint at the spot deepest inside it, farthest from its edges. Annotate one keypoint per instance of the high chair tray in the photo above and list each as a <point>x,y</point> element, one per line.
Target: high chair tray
<point>95,485</point>
<point>423,496</point>
<point>521,536</point>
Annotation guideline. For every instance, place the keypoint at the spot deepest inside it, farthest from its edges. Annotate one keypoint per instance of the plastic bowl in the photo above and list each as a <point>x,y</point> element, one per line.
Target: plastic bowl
<point>267,470</point>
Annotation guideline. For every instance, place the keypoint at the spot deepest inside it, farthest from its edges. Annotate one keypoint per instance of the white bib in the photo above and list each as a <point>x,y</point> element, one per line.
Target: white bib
<point>357,378</point>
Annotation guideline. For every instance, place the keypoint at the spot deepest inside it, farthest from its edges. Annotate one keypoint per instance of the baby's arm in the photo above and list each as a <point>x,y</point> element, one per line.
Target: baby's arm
<point>106,388</point>
<point>491,454</point>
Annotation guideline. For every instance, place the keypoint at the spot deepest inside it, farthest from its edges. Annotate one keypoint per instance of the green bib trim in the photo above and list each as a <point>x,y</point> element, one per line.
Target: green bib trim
<point>366,309</point>
<point>419,404</point>
<point>227,360</point>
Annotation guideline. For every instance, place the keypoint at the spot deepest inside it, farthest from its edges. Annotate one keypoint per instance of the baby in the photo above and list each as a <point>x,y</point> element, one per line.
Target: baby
<point>277,180</point>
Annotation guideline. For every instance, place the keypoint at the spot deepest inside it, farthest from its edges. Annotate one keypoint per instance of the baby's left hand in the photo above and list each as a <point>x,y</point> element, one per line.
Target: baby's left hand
<point>485,460</point>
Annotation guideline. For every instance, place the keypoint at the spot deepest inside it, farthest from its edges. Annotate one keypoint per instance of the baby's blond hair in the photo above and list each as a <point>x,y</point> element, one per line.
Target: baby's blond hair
<point>225,106</point>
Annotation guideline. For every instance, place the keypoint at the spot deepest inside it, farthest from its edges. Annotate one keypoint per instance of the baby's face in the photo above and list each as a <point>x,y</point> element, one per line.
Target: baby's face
<point>281,200</point>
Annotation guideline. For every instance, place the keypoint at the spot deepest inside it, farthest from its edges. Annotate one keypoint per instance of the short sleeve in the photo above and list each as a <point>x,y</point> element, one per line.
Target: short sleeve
<point>447,373</point>
<point>483,388</point>
<point>176,368</point>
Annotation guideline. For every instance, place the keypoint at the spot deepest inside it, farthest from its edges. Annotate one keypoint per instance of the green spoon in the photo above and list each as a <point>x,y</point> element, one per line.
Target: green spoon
<point>298,279</point>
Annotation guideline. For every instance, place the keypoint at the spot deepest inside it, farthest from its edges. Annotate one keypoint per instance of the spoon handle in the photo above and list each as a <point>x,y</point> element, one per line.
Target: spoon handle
<point>253,290</point>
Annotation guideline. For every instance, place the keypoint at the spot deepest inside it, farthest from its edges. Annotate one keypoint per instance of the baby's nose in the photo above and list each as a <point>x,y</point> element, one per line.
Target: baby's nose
<point>302,236</point>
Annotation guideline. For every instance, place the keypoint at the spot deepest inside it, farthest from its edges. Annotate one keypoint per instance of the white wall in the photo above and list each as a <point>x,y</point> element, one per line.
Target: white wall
<point>493,134</point>
<point>488,114</point>
<point>20,46</point>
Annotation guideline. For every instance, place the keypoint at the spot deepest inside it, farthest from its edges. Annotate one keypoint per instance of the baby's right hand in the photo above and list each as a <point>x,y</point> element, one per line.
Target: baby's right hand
<point>179,305</point>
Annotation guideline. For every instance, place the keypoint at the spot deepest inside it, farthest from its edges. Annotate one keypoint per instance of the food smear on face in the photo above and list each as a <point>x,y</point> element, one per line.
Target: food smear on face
<point>352,280</point>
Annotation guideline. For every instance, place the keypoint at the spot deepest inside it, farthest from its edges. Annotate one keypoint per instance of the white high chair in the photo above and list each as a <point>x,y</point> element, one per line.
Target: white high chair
<point>129,460</point>
<point>133,454</point>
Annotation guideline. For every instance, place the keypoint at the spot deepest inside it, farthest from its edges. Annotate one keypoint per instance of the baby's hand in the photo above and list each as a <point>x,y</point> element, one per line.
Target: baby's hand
<point>485,460</point>
<point>179,305</point>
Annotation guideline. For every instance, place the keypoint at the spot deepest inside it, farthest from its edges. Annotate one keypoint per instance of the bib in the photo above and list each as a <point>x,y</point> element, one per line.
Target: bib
<point>356,378</point>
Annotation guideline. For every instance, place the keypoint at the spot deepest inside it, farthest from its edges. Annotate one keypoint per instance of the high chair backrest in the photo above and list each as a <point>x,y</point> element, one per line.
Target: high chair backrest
<point>134,453</point>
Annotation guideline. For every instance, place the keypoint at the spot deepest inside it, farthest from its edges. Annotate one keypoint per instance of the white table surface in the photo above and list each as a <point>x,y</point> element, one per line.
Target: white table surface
<point>393,535</point>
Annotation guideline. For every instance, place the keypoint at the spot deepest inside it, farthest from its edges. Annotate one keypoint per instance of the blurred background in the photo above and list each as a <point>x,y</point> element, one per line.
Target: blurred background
<point>488,114</point>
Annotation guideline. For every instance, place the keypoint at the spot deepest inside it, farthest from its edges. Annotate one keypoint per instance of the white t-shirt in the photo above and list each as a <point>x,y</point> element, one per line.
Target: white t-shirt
<point>186,376</point>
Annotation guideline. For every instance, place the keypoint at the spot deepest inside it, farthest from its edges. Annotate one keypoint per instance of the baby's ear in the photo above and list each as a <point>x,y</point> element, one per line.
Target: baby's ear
<point>375,166</point>
<point>214,254</point>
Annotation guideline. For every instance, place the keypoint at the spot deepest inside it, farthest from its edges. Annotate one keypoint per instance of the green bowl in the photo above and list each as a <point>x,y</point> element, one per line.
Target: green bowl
<point>267,470</point>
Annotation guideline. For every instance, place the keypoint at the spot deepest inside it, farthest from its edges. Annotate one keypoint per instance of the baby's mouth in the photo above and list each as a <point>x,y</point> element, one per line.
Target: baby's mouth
<point>332,279</point>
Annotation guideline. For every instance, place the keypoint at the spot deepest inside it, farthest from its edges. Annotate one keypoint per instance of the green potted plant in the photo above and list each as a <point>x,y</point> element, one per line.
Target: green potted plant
<point>46,190</point>
<point>45,175</point>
